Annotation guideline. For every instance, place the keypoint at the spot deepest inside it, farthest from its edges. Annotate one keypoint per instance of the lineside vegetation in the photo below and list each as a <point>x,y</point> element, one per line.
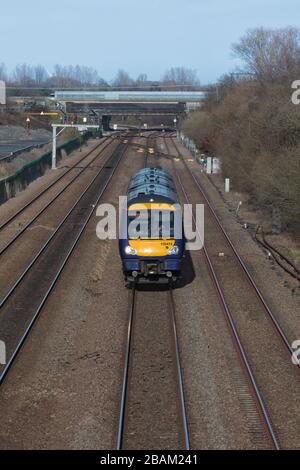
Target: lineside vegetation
<point>251,123</point>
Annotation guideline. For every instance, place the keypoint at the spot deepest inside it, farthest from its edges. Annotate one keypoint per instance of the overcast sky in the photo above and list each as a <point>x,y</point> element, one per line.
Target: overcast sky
<point>137,35</point>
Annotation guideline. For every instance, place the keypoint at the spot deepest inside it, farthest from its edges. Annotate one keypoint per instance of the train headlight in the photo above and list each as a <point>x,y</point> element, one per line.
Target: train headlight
<point>129,250</point>
<point>174,250</point>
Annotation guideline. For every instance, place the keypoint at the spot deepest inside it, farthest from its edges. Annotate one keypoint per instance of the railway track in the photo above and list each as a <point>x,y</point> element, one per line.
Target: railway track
<point>149,144</point>
<point>24,301</point>
<point>146,151</point>
<point>152,407</point>
<point>272,379</point>
<point>34,233</point>
<point>243,268</point>
<point>12,217</point>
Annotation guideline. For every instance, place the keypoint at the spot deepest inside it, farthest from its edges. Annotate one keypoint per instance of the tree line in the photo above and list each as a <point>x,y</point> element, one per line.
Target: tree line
<point>250,122</point>
<point>72,76</point>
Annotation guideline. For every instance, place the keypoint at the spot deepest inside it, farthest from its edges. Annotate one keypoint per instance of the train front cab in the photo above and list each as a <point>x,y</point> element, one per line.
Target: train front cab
<point>146,259</point>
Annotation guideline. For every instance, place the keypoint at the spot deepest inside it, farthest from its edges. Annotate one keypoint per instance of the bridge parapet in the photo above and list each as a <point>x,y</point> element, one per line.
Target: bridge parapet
<point>130,96</point>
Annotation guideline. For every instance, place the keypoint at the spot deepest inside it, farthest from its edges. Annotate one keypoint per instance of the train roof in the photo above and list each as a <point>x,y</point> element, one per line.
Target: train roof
<point>152,185</point>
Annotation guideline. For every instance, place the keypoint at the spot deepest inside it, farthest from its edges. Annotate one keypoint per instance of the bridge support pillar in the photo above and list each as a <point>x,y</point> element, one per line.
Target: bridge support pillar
<point>105,122</point>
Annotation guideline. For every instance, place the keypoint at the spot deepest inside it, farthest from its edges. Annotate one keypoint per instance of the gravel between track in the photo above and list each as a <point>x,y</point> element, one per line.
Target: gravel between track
<point>64,389</point>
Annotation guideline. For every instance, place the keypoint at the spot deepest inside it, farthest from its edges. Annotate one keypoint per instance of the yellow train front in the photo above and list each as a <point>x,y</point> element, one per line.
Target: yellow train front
<point>153,246</point>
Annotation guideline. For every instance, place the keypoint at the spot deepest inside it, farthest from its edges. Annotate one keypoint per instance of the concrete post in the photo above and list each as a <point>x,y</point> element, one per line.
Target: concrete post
<point>54,148</point>
<point>2,93</point>
<point>208,165</point>
<point>227,185</point>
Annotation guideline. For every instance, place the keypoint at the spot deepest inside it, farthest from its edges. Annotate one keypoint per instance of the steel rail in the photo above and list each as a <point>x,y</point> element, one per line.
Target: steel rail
<point>124,389</point>
<point>246,367</point>
<point>146,152</point>
<point>179,372</point>
<point>146,149</point>
<point>262,409</point>
<point>56,277</point>
<point>25,206</point>
<point>157,152</point>
<point>49,203</point>
<point>274,322</point>
<point>127,358</point>
<point>125,372</point>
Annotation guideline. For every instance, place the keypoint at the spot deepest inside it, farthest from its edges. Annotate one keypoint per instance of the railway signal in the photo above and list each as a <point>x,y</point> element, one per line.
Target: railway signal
<point>28,125</point>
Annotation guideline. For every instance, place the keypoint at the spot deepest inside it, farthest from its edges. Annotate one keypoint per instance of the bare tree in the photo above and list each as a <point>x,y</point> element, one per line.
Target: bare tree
<point>181,76</point>
<point>84,75</point>
<point>3,74</point>
<point>23,75</point>
<point>270,54</point>
<point>122,79</point>
<point>141,80</point>
<point>78,75</point>
<point>59,78</point>
<point>40,75</point>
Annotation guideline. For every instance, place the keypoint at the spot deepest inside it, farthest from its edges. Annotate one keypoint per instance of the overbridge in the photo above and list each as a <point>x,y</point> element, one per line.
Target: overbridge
<point>105,104</point>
